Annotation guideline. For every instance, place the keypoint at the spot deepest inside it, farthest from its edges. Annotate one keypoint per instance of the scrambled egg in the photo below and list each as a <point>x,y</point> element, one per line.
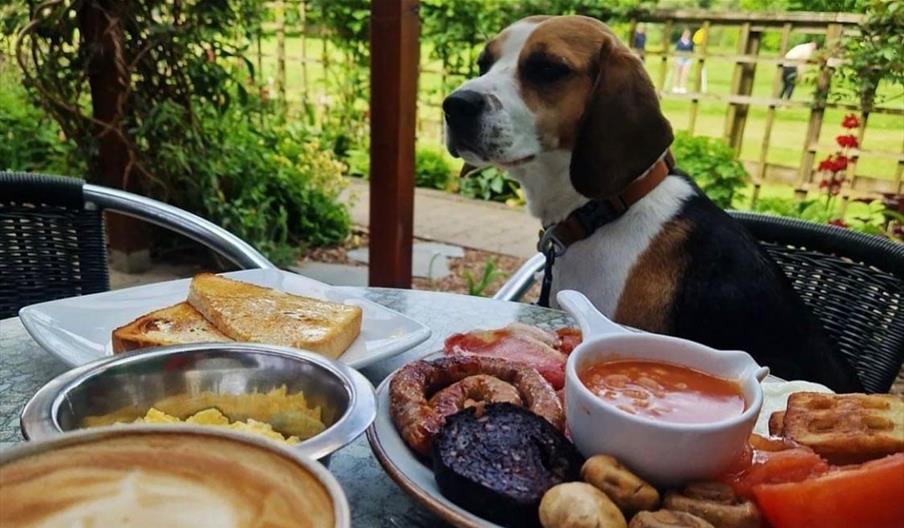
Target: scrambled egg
<point>274,414</point>
<point>214,417</point>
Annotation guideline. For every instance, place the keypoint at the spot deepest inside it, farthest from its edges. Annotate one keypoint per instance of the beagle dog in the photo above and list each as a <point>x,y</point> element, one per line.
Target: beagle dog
<point>570,113</point>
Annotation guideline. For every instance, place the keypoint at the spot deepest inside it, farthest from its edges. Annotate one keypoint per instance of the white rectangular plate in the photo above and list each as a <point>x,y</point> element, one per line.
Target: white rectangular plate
<point>78,329</point>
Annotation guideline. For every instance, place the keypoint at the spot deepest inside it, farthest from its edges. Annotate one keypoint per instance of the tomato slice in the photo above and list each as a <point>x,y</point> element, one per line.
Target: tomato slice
<point>869,495</point>
<point>773,467</point>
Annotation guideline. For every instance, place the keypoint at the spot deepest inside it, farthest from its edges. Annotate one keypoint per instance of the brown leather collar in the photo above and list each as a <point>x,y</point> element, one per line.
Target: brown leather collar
<point>585,220</point>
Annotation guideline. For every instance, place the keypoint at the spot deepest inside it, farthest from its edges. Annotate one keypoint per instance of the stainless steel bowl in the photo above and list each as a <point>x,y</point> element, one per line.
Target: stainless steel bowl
<point>142,378</point>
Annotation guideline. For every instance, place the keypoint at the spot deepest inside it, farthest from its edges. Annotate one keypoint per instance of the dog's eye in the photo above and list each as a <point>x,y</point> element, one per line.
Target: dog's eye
<point>544,71</point>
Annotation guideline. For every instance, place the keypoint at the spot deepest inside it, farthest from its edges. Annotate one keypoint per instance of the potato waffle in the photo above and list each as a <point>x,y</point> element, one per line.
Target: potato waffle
<point>845,428</point>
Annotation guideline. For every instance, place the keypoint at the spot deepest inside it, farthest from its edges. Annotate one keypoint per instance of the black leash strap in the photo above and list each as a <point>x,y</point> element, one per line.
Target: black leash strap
<point>551,247</point>
<point>590,217</point>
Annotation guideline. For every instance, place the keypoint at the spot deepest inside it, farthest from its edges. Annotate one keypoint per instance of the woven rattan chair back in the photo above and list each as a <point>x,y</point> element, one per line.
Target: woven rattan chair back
<point>854,283</point>
<point>51,245</point>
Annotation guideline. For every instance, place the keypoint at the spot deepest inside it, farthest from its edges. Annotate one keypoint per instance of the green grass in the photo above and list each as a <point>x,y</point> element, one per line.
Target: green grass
<point>884,132</point>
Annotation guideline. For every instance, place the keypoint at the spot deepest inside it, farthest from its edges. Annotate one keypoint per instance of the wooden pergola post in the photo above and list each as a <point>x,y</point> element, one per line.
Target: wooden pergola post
<point>394,48</point>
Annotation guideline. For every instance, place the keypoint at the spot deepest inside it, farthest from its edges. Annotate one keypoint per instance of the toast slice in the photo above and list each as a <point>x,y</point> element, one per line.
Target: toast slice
<point>777,423</point>
<point>173,325</point>
<point>846,428</point>
<point>246,312</point>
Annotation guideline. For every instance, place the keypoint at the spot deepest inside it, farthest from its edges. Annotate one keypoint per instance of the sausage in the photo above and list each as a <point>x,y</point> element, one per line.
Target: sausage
<point>418,421</point>
<point>474,391</point>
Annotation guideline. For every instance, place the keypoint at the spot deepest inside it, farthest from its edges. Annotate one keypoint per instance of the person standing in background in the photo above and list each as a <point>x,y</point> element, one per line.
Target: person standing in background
<point>791,72</point>
<point>639,41</point>
<point>683,64</point>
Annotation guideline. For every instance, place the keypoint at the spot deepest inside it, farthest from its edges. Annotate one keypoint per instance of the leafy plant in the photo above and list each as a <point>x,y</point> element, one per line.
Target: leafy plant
<point>712,164</point>
<point>29,139</point>
<point>277,189</point>
<point>489,184</point>
<point>185,128</point>
<point>876,55</point>
<point>477,287</point>
<point>357,160</point>
<point>110,72</point>
<point>872,218</point>
<point>431,168</point>
<point>812,210</point>
<point>869,218</point>
<point>519,200</point>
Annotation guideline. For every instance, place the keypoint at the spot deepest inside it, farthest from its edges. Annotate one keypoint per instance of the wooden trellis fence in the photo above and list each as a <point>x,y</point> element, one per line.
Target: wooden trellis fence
<point>751,27</point>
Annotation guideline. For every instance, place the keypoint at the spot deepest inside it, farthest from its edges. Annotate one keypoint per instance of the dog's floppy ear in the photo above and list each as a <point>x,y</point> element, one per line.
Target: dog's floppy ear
<point>622,131</point>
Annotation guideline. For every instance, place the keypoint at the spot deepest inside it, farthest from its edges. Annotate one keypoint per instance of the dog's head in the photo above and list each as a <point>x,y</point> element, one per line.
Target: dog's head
<point>560,84</point>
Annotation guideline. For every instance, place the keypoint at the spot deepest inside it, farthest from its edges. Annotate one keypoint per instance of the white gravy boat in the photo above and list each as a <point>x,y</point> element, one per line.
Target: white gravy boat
<point>665,453</point>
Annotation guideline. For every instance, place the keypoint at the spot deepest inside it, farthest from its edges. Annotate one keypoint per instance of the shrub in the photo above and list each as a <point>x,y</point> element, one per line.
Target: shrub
<point>812,210</point>
<point>29,139</point>
<point>489,184</point>
<point>711,163</point>
<point>431,168</point>
<point>357,162</point>
<point>275,187</point>
<point>872,218</point>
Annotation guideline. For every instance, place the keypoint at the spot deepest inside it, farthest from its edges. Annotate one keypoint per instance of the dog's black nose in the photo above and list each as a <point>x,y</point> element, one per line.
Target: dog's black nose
<point>462,109</point>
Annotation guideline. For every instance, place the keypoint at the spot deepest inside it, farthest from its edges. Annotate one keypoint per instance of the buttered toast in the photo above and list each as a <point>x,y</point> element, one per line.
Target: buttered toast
<point>845,428</point>
<point>246,312</point>
<point>173,325</point>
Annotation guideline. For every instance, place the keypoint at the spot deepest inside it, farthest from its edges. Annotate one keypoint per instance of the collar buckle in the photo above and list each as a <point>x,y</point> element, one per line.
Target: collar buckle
<point>550,243</point>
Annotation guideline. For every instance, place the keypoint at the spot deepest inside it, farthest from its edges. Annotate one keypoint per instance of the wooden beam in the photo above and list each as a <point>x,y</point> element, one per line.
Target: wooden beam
<point>698,79</point>
<point>394,46</point>
<point>742,85</point>
<point>666,53</point>
<point>818,110</point>
<point>768,18</point>
<point>770,112</point>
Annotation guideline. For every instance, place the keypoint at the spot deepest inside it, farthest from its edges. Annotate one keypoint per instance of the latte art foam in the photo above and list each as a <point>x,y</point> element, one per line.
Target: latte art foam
<point>153,480</point>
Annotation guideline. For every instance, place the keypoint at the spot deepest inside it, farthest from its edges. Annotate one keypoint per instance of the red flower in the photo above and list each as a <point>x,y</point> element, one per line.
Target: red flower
<point>847,141</point>
<point>834,164</point>
<point>840,163</point>
<point>850,121</point>
<point>827,164</point>
<point>823,184</point>
<point>838,222</point>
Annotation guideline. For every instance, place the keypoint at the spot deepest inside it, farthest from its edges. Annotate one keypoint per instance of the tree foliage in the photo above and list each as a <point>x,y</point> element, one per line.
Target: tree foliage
<point>878,55</point>
<point>169,59</point>
<point>192,132</point>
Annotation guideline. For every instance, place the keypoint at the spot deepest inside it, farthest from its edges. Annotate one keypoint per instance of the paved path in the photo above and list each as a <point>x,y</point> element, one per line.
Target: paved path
<point>452,219</point>
<point>438,216</point>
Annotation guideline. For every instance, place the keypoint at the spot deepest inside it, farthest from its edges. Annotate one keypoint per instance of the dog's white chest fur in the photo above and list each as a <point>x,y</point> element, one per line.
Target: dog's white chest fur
<point>599,266</point>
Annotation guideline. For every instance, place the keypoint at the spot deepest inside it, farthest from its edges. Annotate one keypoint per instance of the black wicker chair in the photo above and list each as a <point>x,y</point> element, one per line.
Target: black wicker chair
<point>853,282</point>
<point>52,241</point>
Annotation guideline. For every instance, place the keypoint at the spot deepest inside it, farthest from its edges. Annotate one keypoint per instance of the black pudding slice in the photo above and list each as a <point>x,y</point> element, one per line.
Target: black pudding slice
<point>499,465</point>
